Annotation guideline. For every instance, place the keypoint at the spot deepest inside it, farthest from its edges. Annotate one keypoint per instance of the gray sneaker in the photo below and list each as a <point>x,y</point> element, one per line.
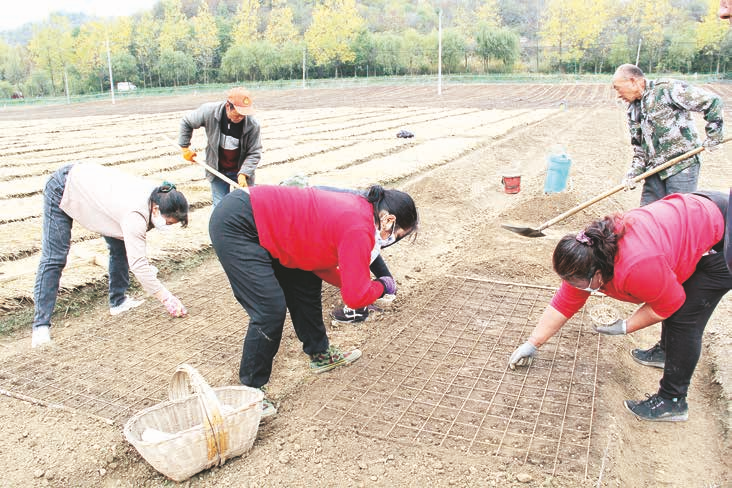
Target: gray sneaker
<point>654,357</point>
<point>658,409</point>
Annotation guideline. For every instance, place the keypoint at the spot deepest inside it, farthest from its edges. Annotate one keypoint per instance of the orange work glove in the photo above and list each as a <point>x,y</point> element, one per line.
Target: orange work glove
<point>188,154</point>
<point>242,180</point>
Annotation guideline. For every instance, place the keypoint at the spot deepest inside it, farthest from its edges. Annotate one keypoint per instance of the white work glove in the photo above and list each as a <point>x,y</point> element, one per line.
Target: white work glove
<point>173,305</point>
<point>710,144</point>
<point>628,183</point>
<point>41,336</point>
<point>523,355</point>
<point>619,327</point>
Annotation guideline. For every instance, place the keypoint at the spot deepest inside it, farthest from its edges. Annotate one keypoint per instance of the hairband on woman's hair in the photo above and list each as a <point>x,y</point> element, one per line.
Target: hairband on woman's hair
<point>166,187</point>
<point>582,237</point>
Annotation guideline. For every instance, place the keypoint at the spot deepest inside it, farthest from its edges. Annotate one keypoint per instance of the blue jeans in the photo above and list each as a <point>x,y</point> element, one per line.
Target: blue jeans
<point>119,271</point>
<point>654,188</point>
<point>55,245</point>
<point>220,188</point>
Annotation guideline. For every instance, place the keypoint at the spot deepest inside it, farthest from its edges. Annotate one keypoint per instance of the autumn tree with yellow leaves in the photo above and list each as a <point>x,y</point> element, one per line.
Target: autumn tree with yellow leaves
<point>336,23</point>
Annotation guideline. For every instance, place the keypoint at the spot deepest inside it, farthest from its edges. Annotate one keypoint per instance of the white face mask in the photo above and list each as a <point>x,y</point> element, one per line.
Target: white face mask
<point>159,222</point>
<point>389,240</point>
<point>589,288</point>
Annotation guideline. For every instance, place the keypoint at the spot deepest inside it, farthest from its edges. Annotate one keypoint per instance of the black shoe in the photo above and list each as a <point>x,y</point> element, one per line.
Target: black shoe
<point>659,409</point>
<point>654,357</point>
<point>347,315</point>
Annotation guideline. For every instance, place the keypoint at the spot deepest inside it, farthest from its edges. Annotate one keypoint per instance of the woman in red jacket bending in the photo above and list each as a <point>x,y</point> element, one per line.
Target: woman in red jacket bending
<point>278,243</point>
<point>667,256</point>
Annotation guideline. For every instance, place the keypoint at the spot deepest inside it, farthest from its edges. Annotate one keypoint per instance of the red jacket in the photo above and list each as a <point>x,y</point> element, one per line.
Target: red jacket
<point>329,233</point>
<point>660,250</point>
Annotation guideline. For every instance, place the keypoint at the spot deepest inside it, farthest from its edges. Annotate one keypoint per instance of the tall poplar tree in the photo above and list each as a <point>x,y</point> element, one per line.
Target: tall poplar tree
<point>205,33</point>
<point>336,24</point>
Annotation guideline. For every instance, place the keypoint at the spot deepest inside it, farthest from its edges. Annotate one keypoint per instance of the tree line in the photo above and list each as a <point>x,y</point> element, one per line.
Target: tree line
<point>182,42</point>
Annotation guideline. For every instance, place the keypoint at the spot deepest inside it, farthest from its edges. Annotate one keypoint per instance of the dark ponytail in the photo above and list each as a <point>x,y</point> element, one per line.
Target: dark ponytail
<point>172,203</point>
<point>397,203</point>
<point>581,255</point>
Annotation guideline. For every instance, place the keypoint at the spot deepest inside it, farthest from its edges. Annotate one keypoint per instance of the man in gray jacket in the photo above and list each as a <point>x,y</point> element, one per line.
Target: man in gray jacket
<point>234,146</point>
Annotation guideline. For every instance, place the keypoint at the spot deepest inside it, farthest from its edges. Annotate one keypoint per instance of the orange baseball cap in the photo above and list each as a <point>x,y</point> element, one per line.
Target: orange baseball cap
<point>242,100</point>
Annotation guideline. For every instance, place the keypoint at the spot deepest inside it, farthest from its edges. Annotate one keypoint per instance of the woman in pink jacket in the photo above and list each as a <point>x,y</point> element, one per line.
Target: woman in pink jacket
<point>122,208</point>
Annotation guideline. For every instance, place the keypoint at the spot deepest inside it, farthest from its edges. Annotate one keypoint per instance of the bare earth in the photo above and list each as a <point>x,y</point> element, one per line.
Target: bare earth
<point>465,141</point>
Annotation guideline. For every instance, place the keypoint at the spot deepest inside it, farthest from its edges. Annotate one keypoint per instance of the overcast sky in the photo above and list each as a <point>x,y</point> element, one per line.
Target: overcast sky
<point>15,13</point>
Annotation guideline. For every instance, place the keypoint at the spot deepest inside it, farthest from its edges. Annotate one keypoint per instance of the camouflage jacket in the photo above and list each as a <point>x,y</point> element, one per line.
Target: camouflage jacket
<point>661,126</point>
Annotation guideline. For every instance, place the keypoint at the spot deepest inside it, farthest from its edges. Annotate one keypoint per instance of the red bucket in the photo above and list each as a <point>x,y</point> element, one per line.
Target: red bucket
<point>511,184</point>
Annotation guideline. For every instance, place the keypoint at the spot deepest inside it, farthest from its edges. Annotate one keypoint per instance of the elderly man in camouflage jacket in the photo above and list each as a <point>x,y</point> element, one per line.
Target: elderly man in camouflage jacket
<point>661,128</point>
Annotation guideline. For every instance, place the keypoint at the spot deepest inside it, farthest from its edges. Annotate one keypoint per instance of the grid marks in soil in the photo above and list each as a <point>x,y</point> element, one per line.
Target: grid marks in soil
<point>442,380</point>
<point>124,364</point>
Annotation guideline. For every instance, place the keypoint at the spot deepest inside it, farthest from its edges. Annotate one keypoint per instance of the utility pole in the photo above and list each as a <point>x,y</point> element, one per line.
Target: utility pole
<point>66,85</point>
<point>109,63</point>
<point>439,51</point>
<point>304,53</point>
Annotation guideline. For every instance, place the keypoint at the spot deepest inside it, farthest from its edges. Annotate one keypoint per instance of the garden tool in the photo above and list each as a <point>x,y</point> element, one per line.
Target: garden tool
<point>212,170</point>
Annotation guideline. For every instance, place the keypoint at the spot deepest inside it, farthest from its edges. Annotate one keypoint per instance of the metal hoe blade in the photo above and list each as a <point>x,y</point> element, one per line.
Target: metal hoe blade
<point>524,231</point>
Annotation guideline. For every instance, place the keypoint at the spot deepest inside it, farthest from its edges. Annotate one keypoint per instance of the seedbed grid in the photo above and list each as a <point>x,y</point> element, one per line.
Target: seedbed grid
<point>442,379</point>
<point>123,364</point>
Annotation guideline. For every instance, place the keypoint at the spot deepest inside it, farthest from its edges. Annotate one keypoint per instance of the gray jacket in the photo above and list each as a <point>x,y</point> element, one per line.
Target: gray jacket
<point>209,116</point>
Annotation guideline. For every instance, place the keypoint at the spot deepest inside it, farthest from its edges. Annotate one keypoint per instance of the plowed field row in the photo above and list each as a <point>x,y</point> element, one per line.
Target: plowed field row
<point>352,143</point>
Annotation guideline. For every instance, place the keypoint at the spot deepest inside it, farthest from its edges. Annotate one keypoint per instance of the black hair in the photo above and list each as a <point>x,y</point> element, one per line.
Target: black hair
<point>397,203</point>
<point>171,202</point>
<point>594,248</point>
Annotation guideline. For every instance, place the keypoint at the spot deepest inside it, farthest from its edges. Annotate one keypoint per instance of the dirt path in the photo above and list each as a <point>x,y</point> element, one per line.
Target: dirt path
<point>462,206</point>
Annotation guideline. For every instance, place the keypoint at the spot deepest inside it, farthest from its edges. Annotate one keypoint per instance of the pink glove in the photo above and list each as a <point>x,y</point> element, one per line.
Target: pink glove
<point>174,306</point>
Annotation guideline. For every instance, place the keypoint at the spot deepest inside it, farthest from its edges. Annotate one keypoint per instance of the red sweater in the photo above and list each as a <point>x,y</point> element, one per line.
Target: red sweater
<point>660,250</point>
<point>329,233</point>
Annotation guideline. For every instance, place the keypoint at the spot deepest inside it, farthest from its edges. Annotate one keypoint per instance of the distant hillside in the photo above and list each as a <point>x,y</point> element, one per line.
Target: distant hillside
<point>23,34</point>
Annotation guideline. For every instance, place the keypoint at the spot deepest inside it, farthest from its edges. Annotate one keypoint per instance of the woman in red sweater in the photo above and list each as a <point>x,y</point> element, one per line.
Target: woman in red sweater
<point>666,256</point>
<point>277,244</point>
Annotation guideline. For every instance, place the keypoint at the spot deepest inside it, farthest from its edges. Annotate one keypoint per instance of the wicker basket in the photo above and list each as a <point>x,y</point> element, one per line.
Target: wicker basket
<point>198,431</point>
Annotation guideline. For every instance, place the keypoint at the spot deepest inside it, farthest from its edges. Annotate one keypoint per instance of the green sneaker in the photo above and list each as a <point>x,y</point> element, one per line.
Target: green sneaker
<point>331,359</point>
<point>268,407</point>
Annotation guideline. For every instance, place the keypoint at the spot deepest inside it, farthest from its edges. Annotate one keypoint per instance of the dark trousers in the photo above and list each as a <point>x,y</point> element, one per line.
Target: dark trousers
<point>654,188</point>
<point>681,333</point>
<point>265,289</point>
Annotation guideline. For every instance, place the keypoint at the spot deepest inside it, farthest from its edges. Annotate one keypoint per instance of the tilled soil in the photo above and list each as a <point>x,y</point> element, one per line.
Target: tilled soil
<point>461,207</point>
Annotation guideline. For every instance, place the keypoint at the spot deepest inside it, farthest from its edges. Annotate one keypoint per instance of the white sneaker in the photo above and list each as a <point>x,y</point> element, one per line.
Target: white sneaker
<point>128,304</point>
<point>41,336</point>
